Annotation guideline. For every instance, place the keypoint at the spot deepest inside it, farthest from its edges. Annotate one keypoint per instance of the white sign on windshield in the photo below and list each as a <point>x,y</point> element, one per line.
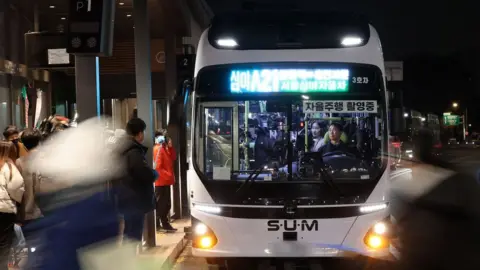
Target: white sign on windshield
<point>340,106</point>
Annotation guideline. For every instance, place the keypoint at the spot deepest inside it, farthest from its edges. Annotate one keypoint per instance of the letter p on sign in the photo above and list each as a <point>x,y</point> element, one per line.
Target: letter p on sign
<point>81,5</point>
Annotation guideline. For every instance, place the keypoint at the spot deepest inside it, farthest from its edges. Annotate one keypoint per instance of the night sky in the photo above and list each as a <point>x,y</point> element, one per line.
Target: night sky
<point>439,42</point>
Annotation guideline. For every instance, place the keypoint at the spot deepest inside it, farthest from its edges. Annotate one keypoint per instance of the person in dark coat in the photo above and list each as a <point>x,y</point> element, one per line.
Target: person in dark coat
<point>263,147</point>
<point>437,214</point>
<point>136,193</point>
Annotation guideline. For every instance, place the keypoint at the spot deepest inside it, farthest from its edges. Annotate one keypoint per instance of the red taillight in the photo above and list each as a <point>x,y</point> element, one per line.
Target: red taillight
<point>396,144</point>
<point>301,124</point>
<point>438,145</point>
<point>228,132</point>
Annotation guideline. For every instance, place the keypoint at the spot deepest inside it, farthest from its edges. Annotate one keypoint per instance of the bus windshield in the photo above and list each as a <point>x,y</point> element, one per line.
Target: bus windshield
<point>291,140</point>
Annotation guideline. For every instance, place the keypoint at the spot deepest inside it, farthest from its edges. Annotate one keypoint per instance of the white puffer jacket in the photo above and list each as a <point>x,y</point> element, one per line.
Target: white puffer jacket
<point>11,188</point>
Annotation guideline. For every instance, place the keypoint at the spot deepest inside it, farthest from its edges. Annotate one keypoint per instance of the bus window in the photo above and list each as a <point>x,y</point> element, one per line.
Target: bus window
<point>218,142</point>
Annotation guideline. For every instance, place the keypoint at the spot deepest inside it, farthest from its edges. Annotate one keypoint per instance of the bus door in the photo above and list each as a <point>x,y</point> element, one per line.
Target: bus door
<point>219,126</point>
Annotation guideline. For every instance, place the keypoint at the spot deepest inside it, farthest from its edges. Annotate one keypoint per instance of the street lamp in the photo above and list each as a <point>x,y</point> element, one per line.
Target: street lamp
<point>465,118</point>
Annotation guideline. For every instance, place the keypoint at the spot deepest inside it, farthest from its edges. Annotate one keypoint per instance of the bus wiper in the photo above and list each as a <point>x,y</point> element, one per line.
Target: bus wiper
<point>329,180</point>
<point>250,179</point>
<point>325,175</point>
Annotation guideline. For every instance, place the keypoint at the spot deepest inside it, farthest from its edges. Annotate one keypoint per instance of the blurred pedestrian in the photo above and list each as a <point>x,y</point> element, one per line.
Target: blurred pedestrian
<point>164,161</point>
<point>136,193</point>
<point>12,134</point>
<point>79,215</point>
<point>437,214</point>
<point>11,193</point>
<point>29,210</point>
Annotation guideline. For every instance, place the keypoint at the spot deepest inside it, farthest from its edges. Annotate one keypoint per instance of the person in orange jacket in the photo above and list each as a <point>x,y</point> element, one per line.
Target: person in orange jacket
<point>164,157</point>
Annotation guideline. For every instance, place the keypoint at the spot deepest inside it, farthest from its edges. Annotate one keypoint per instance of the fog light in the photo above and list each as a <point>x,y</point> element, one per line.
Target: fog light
<point>378,236</point>
<point>375,241</point>
<point>203,237</point>
<point>206,242</point>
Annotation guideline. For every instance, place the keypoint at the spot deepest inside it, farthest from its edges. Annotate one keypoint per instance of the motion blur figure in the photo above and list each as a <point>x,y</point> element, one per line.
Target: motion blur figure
<point>78,214</point>
<point>28,210</point>
<point>437,213</point>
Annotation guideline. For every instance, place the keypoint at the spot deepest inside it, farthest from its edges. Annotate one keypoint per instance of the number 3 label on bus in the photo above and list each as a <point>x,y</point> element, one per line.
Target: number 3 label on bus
<point>360,80</point>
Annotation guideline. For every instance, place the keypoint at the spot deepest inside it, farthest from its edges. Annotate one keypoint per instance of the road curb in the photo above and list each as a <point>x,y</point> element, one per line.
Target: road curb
<point>175,252</point>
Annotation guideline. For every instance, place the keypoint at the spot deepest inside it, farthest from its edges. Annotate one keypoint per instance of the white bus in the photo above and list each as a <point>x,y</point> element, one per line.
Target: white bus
<point>289,139</point>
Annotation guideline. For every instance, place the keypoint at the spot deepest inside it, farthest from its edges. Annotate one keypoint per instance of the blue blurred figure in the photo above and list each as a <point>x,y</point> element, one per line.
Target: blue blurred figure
<point>77,212</point>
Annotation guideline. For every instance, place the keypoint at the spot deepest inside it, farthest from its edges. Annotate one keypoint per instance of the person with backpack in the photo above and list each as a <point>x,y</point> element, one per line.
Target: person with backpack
<point>11,194</point>
<point>135,191</point>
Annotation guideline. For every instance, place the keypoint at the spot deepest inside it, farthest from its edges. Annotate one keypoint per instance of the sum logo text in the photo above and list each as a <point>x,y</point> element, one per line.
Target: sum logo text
<point>292,225</point>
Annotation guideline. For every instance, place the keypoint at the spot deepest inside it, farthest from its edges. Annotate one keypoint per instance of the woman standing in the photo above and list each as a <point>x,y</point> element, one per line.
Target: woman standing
<point>164,156</point>
<point>11,194</point>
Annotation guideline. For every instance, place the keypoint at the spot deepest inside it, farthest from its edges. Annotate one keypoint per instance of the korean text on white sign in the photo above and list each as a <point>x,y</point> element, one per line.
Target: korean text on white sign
<point>340,106</point>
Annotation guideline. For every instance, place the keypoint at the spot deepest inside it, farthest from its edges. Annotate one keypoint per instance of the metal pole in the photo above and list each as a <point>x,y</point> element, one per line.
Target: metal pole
<point>466,119</point>
<point>36,18</point>
<point>144,94</point>
<point>87,79</point>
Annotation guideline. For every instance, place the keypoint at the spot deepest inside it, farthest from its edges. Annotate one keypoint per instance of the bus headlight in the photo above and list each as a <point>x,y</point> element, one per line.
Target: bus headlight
<point>201,229</point>
<point>203,237</point>
<point>378,236</point>
<point>380,228</point>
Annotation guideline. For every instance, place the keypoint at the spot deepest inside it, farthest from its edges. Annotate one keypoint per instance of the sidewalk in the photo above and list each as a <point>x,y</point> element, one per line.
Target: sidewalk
<point>169,247</point>
<point>162,257</point>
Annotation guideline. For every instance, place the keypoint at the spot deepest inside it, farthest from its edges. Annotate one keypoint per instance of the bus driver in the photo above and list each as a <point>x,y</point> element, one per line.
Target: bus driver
<point>334,144</point>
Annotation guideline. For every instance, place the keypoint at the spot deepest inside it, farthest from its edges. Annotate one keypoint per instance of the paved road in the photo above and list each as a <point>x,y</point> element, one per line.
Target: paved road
<point>187,262</point>
<point>466,159</point>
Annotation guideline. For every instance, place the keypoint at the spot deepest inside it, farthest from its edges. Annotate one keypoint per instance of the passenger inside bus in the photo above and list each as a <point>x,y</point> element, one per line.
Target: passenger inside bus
<point>346,143</point>
<point>334,144</point>
<point>318,133</point>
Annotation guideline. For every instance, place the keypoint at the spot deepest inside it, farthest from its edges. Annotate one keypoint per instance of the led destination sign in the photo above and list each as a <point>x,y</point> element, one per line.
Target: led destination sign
<point>289,80</point>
